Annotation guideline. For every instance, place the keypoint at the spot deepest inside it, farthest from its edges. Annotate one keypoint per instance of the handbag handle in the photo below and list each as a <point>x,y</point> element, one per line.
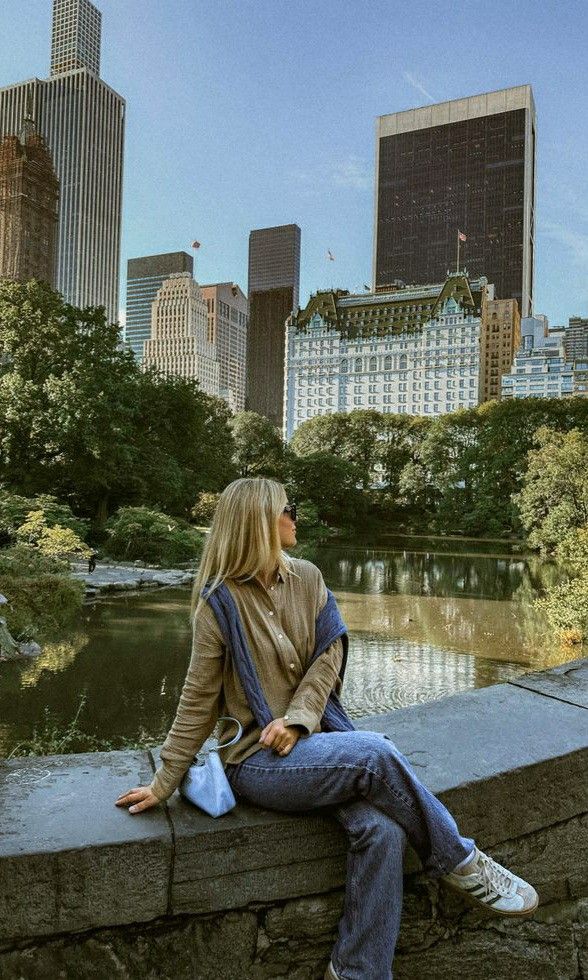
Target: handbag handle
<point>225,745</point>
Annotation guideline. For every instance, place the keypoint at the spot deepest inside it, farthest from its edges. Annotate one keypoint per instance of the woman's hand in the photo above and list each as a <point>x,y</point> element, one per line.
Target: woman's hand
<point>276,736</point>
<point>138,799</point>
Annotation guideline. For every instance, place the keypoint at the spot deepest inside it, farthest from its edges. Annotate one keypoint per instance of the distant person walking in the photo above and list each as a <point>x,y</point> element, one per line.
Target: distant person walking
<point>92,562</point>
<point>308,755</point>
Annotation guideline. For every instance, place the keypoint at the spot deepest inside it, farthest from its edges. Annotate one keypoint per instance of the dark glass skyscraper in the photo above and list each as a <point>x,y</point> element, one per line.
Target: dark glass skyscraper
<point>468,165</point>
<point>274,280</point>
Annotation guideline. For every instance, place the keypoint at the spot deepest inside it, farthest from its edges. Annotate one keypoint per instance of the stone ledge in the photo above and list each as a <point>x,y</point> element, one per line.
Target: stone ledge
<point>508,760</point>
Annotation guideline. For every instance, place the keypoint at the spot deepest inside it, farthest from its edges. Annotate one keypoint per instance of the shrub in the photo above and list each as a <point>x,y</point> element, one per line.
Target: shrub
<point>137,533</point>
<point>204,508</point>
<point>15,509</point>
<point>52,541</point>
<point>42,596</point>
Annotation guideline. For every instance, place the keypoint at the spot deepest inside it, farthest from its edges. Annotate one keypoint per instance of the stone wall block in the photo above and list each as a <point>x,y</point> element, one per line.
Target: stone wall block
<point>312,916</point>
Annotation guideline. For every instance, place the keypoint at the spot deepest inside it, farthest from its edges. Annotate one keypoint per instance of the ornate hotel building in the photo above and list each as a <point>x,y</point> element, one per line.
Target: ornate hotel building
<point>82,120</point>
<point>228,317</point>
<point>179,343</point>
<point>411,350</point>
<point>29,199</point>
<point>466,165</point>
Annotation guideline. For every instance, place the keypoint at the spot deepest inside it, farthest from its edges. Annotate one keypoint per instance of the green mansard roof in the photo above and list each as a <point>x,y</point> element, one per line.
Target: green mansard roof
<point>403,310</point>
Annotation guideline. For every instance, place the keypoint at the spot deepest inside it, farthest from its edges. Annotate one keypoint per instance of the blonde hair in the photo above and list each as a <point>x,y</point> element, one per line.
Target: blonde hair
<point>244,539</point>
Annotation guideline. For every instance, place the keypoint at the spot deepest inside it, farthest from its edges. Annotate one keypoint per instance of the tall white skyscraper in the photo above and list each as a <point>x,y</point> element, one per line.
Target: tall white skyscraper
<point>83,121</point>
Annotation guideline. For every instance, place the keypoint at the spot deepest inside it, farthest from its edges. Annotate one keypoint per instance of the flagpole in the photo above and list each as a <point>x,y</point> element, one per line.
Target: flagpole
<point>458,251</point>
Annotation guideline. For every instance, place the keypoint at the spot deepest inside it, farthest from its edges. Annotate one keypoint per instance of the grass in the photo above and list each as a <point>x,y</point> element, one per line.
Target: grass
<point>52,738</point>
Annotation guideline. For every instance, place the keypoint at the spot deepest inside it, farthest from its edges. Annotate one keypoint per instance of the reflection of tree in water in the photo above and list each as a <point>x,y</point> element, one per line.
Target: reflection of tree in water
<point>54,658</point>
<point>420,573</point>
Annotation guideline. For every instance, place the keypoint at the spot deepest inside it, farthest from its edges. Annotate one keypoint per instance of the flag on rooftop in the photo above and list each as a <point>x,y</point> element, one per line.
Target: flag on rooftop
<point>461,236</point>
<point>195,244</point>
<point>330,256</point>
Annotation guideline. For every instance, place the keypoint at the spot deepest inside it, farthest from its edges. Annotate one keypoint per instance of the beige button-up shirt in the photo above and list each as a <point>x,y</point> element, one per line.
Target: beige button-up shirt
<point>279,624</point>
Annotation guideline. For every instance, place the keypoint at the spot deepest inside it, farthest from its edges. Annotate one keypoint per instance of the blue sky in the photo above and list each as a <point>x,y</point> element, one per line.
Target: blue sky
<point>248,113</point>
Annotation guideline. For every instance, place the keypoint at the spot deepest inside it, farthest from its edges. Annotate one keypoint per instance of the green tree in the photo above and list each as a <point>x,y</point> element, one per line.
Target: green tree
<point>554,498</point>
<point>321,434</point>
<point>332,485</point>
<point>258,446</point>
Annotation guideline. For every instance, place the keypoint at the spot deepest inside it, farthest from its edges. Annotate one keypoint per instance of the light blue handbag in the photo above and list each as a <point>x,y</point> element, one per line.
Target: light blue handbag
<point>205,784</point>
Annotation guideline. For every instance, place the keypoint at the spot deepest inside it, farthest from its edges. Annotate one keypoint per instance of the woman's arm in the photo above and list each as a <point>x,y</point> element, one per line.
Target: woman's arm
<point>196,714</point>
<point>308,703</point>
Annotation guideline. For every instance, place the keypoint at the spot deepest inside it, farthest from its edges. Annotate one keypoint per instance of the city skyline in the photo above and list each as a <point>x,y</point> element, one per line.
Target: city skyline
<point>304,125</point>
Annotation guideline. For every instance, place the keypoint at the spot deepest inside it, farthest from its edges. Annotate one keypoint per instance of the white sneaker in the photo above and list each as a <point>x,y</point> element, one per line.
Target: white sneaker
<point>494,888</point>
<point>330,973</point>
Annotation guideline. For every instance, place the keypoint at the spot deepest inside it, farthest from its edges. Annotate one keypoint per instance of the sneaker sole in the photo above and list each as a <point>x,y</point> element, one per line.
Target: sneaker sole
<point>490,909</point>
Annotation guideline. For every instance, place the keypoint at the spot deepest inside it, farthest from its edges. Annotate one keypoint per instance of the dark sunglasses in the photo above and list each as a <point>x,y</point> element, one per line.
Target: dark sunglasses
<point>290,509</point>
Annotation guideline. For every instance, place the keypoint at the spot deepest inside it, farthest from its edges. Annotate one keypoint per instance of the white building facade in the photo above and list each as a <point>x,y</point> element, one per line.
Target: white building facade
<point>541,368</point>
<point>415,351</point>
<point>179,343</point>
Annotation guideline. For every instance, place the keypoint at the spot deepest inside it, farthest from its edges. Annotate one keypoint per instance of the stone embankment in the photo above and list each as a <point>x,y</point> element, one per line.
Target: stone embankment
<point>132,577</point>
<point>86,890</point>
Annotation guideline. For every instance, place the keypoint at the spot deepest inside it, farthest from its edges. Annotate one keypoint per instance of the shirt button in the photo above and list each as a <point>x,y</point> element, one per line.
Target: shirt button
<point>280,636</point>
<point>271,613</point>
<point>292,666</point>
<point>272,587</point>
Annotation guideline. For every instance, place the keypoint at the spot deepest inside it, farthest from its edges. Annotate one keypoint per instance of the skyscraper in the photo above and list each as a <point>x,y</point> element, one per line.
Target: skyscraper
<point>145,276</point>
<point>29,196</point>
<point>82,121</point>
<point>465,165</point>
<point>274,280</point>
<point>179,343</point>
<point>228,316</point>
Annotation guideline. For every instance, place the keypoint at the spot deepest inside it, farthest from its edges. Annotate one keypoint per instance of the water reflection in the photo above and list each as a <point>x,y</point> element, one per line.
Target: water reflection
<point>422,624</point>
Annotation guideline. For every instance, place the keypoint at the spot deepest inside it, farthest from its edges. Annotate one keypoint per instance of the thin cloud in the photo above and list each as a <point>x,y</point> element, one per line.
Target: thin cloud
<point>575,241</point>
<point>417,85</point>
<point>352,172</point>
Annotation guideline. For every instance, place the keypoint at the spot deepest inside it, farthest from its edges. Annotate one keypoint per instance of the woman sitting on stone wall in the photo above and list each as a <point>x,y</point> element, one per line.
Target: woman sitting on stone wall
<point>310,755</point>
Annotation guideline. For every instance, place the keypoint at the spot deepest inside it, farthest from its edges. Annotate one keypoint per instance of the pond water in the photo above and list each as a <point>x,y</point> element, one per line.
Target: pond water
<point>426,619</point>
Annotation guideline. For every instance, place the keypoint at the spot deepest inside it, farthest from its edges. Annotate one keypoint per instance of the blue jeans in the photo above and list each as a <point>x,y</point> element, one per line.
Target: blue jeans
<point>379,801</point>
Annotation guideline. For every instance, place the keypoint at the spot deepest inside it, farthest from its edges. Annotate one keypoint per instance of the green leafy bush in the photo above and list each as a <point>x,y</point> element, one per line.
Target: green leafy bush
<point>42,596</point>
<point>204,508</point>
<point>14,511</point>
<point>52,541</point>
<point>137,533</point>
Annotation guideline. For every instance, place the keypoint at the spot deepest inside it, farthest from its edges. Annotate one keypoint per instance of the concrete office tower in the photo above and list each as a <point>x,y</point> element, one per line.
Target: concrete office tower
<point>75,36</point>
<point>228,316</point>
<point>466,165</point>
<point>274,280</point>
<point>414,350</point>
<point>179,342</point>
<point>82,121</point>
<point>500,339</point>
<point>145,276</point>
<point>29,199</point>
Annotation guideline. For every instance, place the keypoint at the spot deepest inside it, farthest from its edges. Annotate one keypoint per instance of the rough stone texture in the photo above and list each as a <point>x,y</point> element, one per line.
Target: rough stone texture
<point>568,682</point>
<point>70,859</point>
<point>505,760</point>
<point>257,895</point>
<point>251,854</point>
